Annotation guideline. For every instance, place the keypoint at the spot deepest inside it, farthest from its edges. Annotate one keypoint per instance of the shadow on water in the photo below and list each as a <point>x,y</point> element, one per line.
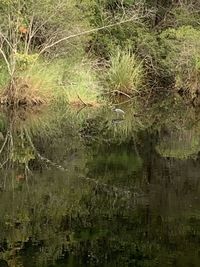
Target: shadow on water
<point>89,189</point>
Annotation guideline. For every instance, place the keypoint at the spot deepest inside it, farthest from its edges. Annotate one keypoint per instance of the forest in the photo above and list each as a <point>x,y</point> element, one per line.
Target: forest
<point>92,52</point>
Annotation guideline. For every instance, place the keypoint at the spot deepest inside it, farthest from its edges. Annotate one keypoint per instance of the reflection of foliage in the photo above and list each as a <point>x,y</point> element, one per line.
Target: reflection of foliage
<point>22,153</point>
<point>106,127</point>
<point>16,150</point>
<point>180,145</point>
<point>52,213</point>
<point>112,163</point>
<point>69,216</point>
<point>95,209</point>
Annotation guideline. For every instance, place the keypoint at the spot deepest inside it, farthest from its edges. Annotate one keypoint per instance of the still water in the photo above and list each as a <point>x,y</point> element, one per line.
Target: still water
<point>88,189</point>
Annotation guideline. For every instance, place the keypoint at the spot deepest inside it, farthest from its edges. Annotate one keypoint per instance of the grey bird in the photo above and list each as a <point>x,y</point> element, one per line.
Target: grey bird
<point>119,112</point>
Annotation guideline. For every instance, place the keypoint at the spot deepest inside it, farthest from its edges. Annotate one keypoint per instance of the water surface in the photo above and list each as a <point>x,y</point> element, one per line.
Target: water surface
<point>89,189</point>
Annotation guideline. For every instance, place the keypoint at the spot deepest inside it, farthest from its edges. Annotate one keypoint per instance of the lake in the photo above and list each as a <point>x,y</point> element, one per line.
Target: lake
<point>91,188</point>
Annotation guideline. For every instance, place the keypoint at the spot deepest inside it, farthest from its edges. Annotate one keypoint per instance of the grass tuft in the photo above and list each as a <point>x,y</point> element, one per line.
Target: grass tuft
<point>125,74</point>
<point>62,82</point>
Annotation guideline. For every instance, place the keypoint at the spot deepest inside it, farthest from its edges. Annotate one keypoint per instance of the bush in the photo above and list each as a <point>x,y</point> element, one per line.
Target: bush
<point>183,15</point>
<point>31,36</point>
<point>182,48</point>
<point>125,73</point>
<point>24,61</point>
<point>104,12</point>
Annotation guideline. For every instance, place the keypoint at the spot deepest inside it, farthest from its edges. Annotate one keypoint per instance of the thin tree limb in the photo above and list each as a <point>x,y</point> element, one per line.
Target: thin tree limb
<point>6,61</point>
<point>85,33</point>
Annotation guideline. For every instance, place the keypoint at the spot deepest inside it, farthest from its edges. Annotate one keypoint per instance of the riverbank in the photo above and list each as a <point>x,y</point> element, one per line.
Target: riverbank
<point>96,51</point>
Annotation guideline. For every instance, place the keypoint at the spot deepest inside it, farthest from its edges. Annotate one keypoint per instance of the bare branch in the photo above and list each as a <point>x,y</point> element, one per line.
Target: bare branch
<point>6,61</point>
<point>87,32</point>
<point>29,36</point>
<point>37,28</point>
<point>6,40</point>
<point>122,93</point>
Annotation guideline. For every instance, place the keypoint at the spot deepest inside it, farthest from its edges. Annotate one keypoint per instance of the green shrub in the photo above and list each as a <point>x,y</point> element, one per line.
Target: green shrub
<point>184,15</point>
<point>182,47</point>
<point>25,60</point>
<point>104,12</point>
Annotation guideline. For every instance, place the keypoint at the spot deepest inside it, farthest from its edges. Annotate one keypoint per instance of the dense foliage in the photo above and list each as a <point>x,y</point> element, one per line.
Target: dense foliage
<point>161,36</point>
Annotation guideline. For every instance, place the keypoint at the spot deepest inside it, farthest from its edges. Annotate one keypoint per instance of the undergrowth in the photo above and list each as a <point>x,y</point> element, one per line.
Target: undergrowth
<point>64,81</point>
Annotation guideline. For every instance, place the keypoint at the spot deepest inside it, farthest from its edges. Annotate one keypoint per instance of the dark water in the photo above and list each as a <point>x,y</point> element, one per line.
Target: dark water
<point>79,189</point>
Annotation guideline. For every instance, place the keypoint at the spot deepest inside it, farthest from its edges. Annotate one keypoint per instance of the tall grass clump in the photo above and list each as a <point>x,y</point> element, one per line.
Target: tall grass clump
<point>125,74</point>
<point>62,82</point>
<point>35,84</point>
<point>32,85</point>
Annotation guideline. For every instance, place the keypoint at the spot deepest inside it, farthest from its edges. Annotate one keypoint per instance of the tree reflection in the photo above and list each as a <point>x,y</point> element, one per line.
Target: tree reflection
<point>68,201</point>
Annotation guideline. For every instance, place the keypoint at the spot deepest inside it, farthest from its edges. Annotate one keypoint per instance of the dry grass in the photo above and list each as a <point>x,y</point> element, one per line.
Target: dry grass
<point>61,82</point>
<point>34,86</point>
<point>25,91</point>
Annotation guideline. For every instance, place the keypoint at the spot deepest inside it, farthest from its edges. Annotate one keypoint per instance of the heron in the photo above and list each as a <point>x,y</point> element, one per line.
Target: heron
<point>119,112</point>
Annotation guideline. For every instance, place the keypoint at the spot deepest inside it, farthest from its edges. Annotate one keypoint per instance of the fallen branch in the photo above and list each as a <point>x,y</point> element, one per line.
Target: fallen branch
<point>122,93</point>
<point>81,100</point>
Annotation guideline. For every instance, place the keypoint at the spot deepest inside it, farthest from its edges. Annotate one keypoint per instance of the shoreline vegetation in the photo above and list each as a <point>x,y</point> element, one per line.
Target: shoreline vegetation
<point>88,53</point>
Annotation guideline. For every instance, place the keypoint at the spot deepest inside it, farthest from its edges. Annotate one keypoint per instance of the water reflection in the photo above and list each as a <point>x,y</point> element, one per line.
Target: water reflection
<point>80,190</point>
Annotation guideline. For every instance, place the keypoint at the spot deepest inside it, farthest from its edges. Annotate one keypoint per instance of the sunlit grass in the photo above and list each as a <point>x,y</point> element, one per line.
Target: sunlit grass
<point>81,85</point>
<point>64,81</point>
<point>37,84</point>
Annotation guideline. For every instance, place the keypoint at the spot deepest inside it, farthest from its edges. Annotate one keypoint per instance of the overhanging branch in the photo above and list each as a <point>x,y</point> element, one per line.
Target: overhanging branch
<point>87,32</point>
